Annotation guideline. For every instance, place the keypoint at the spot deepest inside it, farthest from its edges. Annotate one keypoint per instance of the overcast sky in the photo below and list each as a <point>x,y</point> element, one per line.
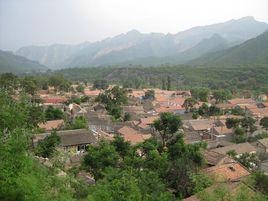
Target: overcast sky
<point>44,22</point>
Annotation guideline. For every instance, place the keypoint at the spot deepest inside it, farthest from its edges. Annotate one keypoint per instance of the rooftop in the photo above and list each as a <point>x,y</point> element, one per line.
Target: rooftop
<point>264,142</point>
<point>228,172</point>
<point>238,148</point>
<point>237,101</point>
<point>50,125</point>
<point>70,137</point>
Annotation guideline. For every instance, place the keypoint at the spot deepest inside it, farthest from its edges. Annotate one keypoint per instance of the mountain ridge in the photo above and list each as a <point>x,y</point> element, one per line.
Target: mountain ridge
<point>135,45</point>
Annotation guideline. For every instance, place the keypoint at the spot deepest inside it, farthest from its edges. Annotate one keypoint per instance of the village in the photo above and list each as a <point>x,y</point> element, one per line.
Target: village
<point>234,130</point>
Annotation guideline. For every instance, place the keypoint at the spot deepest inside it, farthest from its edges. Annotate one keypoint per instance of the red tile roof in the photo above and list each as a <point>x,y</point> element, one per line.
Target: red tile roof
<point>53,124</point>
<point>132,135</point>
<point>54,100</point>
<point>228,172</point>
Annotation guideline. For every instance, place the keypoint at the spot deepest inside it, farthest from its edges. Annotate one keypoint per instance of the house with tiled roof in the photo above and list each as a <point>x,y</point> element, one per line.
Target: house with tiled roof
<point>225,106</point>
<point>74,141</point>
<point>221,133</point>
<point>202,126</point>
<point>233,171</point>
<point>238,148</point>
<point>92,92</point>
<point>50,125</point>
<point>259,112</point>
<point>173,109</point>
<point>213,158</point>
<point>241,101</point>
<point>145,123</point>
<point>262,145</point>
<point>131,135</point>
<point>49,100</point>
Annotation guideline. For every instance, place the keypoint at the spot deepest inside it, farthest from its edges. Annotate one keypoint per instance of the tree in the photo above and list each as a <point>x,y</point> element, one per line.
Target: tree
<point>122,147</point>
<point>100,84</point>
<point>8,82</point>
<point>23,113</point>
<point>261,182</point>
<point>264,122</point>
<point>29,85</point>
<point>126,117</point>
<point>99,158</point>
<point>248,160</point>
<point>119,186</point>
<point>59,83</point>
<point>184,162</point>
<point>78,123</point>
<point>149,95</point>
<point>80,88</point>
<point>52,113</point>
<point>248,123</point>
<point>113,99</point>
<point>164,87</point>
<point>239,135</point>
<point>167,126</point>
<point>200,94</point>
<point>189,104</point>
<point>232,122</point>
<point>168,83</point>
<point>47,147</point>
<point>206,110</point>
<point>221,95</point>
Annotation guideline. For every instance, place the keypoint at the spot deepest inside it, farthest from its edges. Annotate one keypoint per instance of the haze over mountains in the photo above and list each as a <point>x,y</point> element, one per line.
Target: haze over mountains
<point>147,49</point>
<point>18,64</point>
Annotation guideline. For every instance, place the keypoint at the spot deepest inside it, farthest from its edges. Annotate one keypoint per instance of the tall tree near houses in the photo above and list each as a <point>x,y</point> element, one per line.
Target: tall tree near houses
<point>166,126</point>
<point>189,104</point>
<point>168,83</point>
<point>164,87</point>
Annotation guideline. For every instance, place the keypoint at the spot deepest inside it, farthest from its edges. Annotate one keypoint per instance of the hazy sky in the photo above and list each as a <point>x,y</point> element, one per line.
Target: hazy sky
<point>44,22</point>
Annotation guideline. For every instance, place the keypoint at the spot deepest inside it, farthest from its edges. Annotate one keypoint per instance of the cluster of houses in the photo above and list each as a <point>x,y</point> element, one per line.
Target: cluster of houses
<point>143,113</point>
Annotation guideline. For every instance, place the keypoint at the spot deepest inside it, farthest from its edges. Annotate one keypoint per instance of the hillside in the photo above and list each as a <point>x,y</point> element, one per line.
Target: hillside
<point>18,64</point>
<point>253,51</point>
<point>146,49</point>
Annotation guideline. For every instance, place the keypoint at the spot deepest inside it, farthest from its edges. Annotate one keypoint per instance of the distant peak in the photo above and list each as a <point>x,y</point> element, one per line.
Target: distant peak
<point>133,31</point>
<point>247,18</point>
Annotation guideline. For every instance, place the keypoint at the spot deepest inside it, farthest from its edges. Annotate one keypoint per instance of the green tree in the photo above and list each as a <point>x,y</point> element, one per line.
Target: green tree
<point>113,99</point>
<point>8,82</point>
<point>117,186</point>
<point>167,126</point>
<point>200,94</point>
<point>47,147</point>
<point>248,123</point>
<point>122,147</point>
<point>168,83</point>
<point>264,122</point>
<point>29,85</point>
<point>189,104</point>
<point>239,135</point>
<point>22,114</point>
<point>261,182</point>
<point>232,122</point>
<point>164,86</point>
<point>126,117</point>
<point>99,158</point>
<point>52,113</point>
<point>80,88</point>
<point>149,95</point>
<point>78,123</point>
<point>221,95</point>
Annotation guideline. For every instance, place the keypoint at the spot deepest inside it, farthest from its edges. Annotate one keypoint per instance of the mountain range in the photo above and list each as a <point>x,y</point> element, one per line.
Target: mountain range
<point>18,64</point>
<point>253,51</point>
<point>148,49</point>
